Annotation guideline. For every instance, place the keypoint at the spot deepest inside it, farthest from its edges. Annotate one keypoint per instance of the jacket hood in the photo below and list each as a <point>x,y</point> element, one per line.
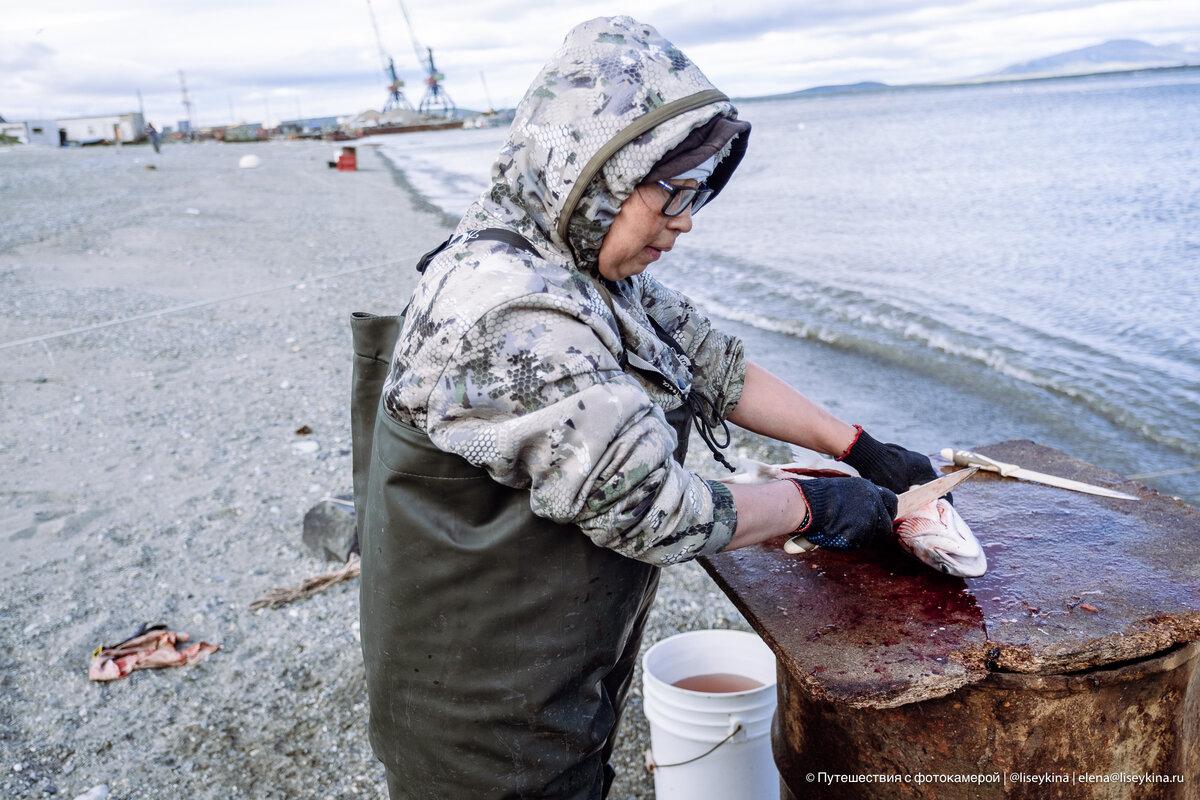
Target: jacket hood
<point>609,105</point>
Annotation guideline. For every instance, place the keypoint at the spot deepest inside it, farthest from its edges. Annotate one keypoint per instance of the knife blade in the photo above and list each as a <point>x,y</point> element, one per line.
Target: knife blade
<point>968,458</point>
<point>908,502</point>
<point>926,493</point>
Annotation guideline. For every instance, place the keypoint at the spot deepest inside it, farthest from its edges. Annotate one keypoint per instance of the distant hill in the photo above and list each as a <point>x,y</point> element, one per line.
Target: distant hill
<point>1115,55</point>
<point>1111,56</point>
<point>840,88</point>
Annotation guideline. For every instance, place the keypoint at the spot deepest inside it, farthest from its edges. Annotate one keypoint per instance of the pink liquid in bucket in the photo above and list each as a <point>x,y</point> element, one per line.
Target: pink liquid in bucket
<point>718,683</point>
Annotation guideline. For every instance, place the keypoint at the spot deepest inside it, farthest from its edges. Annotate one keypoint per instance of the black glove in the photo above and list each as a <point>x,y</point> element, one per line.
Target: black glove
<point>889,465</point>
<point>846,512</point>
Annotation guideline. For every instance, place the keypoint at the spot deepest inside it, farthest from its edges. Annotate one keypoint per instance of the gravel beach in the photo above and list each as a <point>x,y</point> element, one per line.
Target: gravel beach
<point>151,472</point>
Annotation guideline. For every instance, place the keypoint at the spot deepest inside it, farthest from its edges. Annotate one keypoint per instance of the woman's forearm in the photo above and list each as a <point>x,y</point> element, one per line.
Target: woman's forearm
<point>765,510</point>
<point>771,407</point>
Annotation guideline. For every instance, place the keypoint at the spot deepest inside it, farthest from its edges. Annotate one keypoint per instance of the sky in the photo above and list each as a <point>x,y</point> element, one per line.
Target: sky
<point>267,60</point>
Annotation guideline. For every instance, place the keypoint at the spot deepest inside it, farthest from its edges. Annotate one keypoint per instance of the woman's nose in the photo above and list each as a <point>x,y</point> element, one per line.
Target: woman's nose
<point>681,222</point>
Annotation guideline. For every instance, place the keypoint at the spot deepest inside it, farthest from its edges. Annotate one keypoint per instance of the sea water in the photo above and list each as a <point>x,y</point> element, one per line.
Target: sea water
<point>955,266</point>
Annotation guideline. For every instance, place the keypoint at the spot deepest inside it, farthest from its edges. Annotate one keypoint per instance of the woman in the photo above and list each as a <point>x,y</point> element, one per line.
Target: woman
<point>526,480</point>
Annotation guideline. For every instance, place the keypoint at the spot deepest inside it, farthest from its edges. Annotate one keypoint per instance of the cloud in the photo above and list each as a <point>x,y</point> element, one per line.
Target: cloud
<point>276,58</point>
<point>706,23</point>
<point>21,57</point>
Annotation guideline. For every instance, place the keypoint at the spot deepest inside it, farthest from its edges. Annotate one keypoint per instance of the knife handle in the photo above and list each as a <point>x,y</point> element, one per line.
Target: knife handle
<point>797,545</point>
<point>967,458</point>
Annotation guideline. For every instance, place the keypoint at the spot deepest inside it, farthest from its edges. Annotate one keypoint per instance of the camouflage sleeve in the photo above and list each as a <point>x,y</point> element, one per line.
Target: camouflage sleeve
<point>718,358</point>
<point>534,395</point>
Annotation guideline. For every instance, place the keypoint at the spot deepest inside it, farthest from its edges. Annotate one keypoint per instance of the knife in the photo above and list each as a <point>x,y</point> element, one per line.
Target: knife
<point>967,458</point>
<point>926,493</point>
<point>907,503</point>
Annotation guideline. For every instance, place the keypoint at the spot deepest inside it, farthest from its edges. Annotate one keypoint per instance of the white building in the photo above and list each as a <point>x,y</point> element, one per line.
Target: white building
<point>13,130</point>
<point>32,131</point>
<point>104,128</point>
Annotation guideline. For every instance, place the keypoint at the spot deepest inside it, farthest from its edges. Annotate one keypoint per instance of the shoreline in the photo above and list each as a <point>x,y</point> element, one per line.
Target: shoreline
<point>419,200</point>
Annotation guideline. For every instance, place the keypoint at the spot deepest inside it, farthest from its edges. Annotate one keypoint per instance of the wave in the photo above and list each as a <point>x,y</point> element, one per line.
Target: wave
<point>907,335</point>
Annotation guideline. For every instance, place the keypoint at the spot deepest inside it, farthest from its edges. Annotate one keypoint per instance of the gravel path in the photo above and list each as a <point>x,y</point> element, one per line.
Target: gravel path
<point>150,473</point>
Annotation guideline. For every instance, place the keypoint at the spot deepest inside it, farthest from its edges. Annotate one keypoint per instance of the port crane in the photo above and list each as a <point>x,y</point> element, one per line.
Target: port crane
<point>396,98</point>
<point>436,101</point>
<point>491,109</point>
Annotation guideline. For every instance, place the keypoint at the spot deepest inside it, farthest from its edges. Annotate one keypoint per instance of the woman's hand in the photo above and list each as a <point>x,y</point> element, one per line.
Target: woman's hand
<point>889,465</point>
<point>846,512</point>
<point>842,513</point>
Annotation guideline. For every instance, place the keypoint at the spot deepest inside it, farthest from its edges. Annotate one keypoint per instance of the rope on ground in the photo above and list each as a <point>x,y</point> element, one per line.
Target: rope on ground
<point>282,595</point>
<point>162,312</point>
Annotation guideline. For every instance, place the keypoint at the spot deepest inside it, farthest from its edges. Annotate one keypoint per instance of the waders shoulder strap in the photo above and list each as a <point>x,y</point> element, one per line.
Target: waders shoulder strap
<point>702,408</point>
<point>697,405</point>
<point>511,238</point>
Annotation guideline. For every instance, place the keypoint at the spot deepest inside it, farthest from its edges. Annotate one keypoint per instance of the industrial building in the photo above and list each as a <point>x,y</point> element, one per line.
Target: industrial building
<point>31,131</point>
<point>309,127</point>
<point>102,129</point>
<point>246,132</point>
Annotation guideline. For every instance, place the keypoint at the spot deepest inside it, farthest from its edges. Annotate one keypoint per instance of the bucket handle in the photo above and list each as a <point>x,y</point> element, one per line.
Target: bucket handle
<point>651,765</point>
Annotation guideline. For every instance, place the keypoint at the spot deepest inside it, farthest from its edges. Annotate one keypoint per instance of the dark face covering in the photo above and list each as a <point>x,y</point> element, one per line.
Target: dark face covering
<point>702,144</point>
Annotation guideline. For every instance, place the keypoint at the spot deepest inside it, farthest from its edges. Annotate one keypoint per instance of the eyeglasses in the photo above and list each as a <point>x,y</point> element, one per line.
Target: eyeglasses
<point>679,198</point>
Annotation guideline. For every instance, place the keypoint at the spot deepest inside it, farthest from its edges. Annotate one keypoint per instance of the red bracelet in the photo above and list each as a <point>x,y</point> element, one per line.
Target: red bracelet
<point>805,523</point>
<point>857,433</point>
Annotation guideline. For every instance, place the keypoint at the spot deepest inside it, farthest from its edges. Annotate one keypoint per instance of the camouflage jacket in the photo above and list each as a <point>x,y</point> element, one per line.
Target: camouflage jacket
<point>511,360</point>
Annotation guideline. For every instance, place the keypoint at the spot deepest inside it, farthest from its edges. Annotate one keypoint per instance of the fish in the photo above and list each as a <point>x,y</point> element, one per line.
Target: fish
<point>935,534</point>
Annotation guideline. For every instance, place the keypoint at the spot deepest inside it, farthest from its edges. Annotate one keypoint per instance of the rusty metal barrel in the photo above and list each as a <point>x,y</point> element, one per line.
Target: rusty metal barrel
<point>1070,670</point>
<point>1137,719</point>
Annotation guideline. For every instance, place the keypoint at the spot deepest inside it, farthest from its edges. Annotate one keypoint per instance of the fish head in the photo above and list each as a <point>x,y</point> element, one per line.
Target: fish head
<point>937,536</point>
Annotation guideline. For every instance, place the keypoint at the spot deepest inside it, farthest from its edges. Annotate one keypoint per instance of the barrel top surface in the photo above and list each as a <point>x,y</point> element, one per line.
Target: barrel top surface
<point>1074,582</point>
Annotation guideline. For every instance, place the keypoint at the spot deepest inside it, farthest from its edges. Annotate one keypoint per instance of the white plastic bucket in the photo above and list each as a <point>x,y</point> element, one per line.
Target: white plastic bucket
<point>687,725</point>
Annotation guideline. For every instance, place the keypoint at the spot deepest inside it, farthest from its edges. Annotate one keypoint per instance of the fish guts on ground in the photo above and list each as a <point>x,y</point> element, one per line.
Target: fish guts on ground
<point>511,360</point>
<point>153,647</point>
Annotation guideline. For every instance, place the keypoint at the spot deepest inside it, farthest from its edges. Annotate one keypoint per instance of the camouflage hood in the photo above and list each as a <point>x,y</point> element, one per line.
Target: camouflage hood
<point>613,101</point>
<point>514,360</point>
